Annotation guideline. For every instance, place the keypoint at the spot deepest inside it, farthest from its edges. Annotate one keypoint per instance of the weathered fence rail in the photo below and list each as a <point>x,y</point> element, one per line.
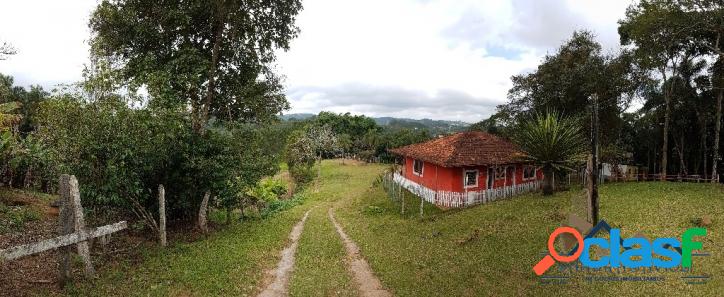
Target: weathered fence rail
<point>60,241</point>
<point>72,229</point>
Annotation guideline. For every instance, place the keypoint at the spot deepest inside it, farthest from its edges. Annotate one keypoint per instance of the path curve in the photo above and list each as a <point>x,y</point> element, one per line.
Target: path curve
<point>282,274</point>
<point>368,284</point>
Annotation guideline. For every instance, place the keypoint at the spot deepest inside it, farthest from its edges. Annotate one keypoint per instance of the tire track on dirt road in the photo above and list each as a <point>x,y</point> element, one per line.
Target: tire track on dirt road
<point>368,284</point>
<point>282,274</point>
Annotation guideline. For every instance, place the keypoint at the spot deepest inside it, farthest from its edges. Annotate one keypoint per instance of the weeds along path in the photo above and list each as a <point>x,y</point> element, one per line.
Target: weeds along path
<point>368,284</point>
<point>280,285</point>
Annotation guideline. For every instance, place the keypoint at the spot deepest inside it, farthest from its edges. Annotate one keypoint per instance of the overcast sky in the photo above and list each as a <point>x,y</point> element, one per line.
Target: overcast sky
<point>439,59</point>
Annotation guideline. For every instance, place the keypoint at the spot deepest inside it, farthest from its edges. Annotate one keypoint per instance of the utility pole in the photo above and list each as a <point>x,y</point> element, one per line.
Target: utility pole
<point>593,164</point>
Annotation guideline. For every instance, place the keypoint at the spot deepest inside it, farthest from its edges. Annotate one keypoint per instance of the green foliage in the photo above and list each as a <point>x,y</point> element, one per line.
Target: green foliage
<point>269,190</point>
<point>565,81</point>
<point>302,174</point>
<point>304,147</point>
<point>551,140</point>
<point>213,56</point>
<point>121,154</point>
<point>281,205</point>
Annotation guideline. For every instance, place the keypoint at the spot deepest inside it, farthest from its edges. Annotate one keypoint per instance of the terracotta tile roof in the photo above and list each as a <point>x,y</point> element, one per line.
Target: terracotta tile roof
<point>463,149</point>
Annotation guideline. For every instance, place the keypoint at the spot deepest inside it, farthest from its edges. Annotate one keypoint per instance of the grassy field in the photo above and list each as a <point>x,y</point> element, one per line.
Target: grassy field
<point>488,250</point>
<point>234,260</point>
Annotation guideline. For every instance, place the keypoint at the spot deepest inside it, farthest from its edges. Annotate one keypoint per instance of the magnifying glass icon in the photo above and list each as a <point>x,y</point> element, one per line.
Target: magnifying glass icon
<point>553,256</point>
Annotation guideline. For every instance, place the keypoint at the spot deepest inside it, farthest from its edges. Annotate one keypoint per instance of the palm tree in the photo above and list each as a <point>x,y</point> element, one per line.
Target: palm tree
<point>552,142</point>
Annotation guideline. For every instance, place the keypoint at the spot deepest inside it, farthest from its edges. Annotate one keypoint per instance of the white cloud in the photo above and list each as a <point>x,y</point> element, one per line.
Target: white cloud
<point>433,58</point>
<point>50,38</point>
<point>429,48</point>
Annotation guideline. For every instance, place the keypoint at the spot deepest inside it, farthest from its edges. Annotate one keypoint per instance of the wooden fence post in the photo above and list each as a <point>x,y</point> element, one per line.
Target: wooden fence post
<point>402,196</point>
<point>162,215</point>
<point>422,202</point>
<point>71,221</point>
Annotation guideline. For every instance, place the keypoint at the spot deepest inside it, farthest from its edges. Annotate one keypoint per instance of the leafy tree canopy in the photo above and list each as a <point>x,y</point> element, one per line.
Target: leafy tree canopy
<point>211,56</point>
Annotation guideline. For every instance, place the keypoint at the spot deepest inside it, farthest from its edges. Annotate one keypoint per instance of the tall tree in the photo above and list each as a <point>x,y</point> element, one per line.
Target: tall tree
<point>708,32</point>
<point>565,81</point>
<point>656,31</point>
<point>212,57</point>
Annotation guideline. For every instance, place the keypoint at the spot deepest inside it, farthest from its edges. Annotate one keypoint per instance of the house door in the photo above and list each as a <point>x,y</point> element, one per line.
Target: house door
<point>491,178</point>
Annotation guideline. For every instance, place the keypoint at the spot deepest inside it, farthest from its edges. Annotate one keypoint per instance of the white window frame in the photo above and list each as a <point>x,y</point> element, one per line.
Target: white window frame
<point>422,167</point>
<point>465,175</point>
<point>535,170</point>
<point>495,173</point>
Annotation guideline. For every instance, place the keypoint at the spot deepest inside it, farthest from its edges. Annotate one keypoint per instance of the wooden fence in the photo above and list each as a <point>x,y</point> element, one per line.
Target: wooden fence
<point>449,199</point>
<point>580,178</point>
<point>73,232</point>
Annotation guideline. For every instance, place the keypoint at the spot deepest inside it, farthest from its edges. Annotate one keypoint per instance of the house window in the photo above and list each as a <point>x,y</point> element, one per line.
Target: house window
<point>417,167</point>
<point>529,172</point>
<point>470,178</point>
<point>499,172</point>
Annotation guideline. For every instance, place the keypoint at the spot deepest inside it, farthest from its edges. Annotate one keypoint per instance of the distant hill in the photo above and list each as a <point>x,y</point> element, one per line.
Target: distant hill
<point>435,126</point>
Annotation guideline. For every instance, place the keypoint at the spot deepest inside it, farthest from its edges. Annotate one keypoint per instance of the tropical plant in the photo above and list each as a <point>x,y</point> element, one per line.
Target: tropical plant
<point>551,141</point>
<point>8,117</point>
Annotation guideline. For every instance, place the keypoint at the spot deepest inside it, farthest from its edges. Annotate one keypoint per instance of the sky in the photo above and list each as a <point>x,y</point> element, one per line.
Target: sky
<point>438,59</point>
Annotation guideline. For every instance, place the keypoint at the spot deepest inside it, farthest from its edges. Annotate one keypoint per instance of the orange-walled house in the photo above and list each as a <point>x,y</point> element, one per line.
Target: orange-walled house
<point>464,169</point>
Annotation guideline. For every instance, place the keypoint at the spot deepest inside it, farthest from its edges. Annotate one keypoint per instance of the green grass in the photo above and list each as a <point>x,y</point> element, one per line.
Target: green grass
<point>230,262</point>
<point>13,218</point>
<point>321,258</point>
<point>234,260</point>
<point>320,263</point>
<point>489,250</point>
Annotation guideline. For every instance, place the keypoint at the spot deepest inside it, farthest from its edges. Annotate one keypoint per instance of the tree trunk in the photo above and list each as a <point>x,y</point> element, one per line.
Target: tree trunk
<point>210,88</point>
<point>682,163</point>
<point>667,118</point>
<point>665,146</point>
<point>202,213</point>
<point>715,157</point>
<point>547,180</point>
<point>162,215</point>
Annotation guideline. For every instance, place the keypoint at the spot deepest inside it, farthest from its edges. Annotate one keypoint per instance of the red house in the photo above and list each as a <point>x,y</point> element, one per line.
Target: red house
<point>464,169</point>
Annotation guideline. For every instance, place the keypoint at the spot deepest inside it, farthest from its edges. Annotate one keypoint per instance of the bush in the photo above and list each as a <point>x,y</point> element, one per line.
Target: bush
<point>281,205</point>
<point>302,174</point>
<point>120,155</point>
<point>269,190</point>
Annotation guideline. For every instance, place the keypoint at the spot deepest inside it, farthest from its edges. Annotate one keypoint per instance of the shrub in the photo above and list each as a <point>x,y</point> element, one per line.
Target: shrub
<point>269,190</point>
<point>120,155</point>
<point>302,174</point>
<point>281,205</point>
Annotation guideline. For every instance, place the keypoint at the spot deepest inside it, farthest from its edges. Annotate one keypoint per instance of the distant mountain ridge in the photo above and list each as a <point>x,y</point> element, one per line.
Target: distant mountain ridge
<point>435,126</point>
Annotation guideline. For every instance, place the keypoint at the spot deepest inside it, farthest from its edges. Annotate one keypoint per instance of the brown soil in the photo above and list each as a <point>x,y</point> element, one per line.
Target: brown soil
<point>31,275</point>
<point>279,286</point>
<point>367,283</point>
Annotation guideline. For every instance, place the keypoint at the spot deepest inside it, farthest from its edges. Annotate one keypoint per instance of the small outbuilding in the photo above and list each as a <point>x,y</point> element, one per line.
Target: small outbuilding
<point>465,168</point>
